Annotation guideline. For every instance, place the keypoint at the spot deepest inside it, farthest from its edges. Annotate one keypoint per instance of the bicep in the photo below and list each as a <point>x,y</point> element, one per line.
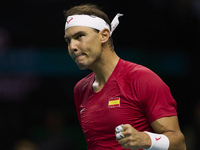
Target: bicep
<point>166,124</point>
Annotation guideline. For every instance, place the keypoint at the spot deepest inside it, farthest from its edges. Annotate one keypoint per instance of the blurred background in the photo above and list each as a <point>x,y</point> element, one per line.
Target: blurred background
<point>37,76</point>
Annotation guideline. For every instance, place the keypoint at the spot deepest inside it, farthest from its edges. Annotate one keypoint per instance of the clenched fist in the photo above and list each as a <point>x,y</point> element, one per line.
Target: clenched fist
<point>131,138</point>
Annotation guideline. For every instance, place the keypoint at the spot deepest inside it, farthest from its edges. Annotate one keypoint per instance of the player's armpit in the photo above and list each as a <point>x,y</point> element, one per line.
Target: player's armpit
<point>169,126</point>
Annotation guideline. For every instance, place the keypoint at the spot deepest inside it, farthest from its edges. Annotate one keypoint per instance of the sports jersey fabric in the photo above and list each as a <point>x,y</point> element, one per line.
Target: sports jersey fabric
<point>132,95</point>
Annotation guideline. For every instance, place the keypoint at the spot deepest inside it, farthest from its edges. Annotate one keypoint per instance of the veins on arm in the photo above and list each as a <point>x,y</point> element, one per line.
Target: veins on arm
<point>169,126</point>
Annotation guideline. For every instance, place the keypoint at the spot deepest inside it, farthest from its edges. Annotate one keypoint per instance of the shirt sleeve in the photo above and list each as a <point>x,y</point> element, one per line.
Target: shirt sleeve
<point>156,98</point>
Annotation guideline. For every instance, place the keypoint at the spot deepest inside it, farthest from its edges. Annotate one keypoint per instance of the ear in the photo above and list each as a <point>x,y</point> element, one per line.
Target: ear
<point>104,35</point>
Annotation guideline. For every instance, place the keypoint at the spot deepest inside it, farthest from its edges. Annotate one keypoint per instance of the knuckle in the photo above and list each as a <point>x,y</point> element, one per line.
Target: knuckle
<point>128,132</point>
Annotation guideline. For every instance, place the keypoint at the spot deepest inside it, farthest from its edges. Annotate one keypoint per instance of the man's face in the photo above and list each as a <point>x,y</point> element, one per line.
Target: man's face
<point>84,45</point>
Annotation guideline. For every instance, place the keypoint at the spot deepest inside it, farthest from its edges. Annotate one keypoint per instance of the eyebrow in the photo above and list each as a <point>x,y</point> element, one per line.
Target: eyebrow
<point>79,32</point>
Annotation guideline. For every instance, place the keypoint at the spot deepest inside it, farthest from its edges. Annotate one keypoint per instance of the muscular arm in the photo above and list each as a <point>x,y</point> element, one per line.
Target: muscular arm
<point>169,126</point>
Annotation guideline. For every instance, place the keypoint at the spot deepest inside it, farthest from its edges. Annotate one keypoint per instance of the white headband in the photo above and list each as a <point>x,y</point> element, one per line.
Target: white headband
<point>92,22</point>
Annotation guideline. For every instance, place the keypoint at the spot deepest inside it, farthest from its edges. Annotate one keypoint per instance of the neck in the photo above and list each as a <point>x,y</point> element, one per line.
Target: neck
<point>103,68</point>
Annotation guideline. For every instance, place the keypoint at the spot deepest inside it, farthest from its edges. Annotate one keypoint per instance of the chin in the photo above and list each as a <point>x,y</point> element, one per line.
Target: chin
<point>82,67</point>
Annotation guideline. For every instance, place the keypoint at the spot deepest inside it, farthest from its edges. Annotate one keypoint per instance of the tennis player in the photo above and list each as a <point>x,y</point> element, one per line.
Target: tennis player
<point>121,104</point>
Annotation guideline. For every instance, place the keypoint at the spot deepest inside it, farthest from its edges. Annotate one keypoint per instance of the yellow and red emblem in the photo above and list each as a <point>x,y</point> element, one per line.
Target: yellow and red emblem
<point>114,102</point>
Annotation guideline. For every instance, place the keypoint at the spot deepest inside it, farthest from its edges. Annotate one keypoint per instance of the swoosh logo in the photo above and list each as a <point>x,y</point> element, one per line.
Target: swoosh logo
<point>82,110</point>
<point>158,138</point>
<point>69,20</point>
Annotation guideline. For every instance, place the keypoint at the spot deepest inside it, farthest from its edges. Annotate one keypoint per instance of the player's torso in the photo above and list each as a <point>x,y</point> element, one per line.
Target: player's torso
<point>101,112</point>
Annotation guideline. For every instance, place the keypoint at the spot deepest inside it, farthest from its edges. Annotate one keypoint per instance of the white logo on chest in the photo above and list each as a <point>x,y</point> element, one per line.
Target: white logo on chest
<point>82,110</point>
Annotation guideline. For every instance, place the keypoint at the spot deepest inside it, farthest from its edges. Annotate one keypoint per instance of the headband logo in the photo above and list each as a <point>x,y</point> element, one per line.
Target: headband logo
<point>69,20</point>
<point>92,22</point>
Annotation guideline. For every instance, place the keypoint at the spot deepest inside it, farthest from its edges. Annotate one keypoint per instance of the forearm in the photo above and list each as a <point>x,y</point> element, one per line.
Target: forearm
<point>169,127</point>
<point>164,140</point>
<point>176,140</point>
<point>170,140</point>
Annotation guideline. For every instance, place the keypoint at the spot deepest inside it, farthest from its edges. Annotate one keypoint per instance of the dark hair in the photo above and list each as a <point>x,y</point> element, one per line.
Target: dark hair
<point>89,9</point>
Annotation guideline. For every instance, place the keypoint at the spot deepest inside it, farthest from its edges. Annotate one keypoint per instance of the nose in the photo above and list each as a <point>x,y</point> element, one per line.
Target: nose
<point>72,46</point>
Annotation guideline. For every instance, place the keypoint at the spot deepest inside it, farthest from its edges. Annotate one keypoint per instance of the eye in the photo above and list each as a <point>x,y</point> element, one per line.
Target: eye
<point>67,40</point>
<point>78,36</point>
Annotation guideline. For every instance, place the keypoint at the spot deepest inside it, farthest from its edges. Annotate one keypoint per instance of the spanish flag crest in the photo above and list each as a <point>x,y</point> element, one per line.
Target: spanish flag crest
<point>114,102</point>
